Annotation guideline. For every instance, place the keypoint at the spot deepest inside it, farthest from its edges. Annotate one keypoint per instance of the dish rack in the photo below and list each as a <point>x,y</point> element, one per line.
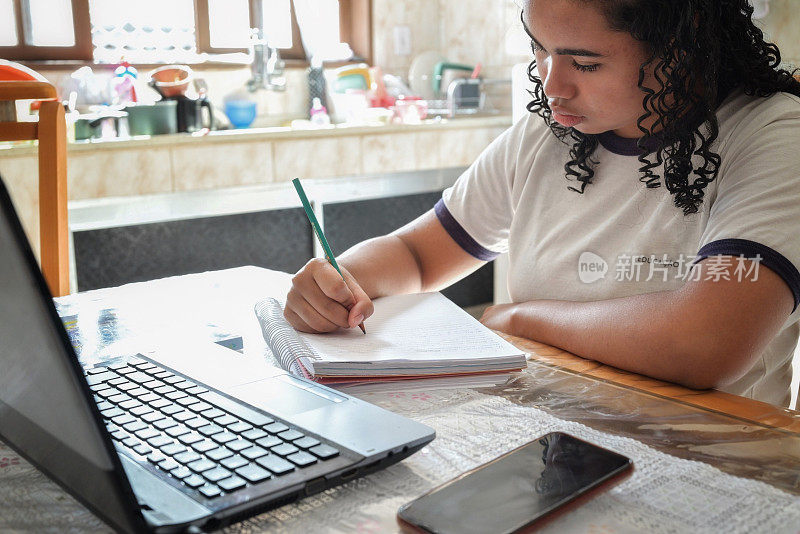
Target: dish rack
<point>464,96</point>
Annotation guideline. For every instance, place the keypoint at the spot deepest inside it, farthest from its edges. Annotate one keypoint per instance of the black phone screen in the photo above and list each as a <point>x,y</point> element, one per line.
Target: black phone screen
<point>517,488</point>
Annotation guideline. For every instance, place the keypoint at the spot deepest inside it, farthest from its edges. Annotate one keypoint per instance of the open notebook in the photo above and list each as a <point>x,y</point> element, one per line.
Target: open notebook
<point>408,337</point>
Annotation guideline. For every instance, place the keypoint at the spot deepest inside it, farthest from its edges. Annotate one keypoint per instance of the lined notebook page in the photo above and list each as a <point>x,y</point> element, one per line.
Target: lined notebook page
<point>420,327</point>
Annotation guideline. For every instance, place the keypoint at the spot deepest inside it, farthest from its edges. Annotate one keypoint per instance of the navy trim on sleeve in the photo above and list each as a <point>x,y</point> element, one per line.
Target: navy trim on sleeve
<point>750,249</point>
<point>460,235</point>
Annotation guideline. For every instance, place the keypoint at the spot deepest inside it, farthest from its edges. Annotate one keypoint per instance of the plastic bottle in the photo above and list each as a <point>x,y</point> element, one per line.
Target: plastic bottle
<point>319,114</point>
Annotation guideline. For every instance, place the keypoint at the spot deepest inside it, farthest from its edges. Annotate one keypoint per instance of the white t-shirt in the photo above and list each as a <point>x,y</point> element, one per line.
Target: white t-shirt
<point>620,238</point>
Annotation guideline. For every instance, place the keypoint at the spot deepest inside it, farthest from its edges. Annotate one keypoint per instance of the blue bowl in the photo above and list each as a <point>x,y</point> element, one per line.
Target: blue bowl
<point>241,113</point>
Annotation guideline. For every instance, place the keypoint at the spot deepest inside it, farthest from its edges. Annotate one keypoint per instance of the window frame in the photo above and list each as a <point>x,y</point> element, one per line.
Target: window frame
<point>81,27</point>
<point>355,27</point>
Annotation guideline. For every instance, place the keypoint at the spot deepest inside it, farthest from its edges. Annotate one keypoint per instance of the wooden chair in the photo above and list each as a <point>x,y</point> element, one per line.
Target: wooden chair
<point>51,132</point>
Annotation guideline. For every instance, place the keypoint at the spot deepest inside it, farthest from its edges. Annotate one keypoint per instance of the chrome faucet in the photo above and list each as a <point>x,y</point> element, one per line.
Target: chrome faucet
<point>266,65</point>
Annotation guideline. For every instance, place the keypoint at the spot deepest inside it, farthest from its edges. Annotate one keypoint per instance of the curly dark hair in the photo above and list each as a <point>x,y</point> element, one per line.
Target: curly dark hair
<point>711,44</point>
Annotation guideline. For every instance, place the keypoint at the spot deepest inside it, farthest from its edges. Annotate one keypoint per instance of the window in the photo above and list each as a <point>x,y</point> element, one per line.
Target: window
<point>179,31</point>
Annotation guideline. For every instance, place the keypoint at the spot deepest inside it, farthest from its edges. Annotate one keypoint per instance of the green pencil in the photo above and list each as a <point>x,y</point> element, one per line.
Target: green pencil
<point>318,231</point>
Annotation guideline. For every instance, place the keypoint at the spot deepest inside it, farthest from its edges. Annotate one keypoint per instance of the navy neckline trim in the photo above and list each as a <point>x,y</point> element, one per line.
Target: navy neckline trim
<point>769,258</point>
<point>460,235</point>
<point>626,146</point>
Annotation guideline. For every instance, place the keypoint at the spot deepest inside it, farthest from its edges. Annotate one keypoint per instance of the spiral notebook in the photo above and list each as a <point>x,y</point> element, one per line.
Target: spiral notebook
<point>408,337</point>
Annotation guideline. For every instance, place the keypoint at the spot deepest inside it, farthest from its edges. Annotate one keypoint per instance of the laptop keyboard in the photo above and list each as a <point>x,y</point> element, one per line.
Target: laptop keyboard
<point>210,443</point>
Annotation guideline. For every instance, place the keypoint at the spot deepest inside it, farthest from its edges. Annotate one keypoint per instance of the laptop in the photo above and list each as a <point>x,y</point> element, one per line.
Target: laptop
<point>156,443</point>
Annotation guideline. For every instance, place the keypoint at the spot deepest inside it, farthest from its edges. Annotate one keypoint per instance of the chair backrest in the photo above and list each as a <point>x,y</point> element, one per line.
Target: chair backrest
<point>51,132</point>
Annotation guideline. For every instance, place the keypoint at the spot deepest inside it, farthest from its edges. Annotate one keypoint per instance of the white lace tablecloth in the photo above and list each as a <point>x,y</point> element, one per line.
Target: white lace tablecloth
<point>664,494</point>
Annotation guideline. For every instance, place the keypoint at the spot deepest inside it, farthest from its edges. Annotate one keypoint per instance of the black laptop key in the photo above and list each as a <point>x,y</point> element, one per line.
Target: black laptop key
<point>111,412</point>
<point>147,433</point>
<point>253,452</point>
<point>190,438</point>
<point>123,419</point>
<point>284,449</point>
<point>269,441</point>
<point>302,459</point>
<point>242,412</point>
<point>306,442</point>
<point>253,473</point>
<point>216,474</point>
<point>194,481</point>
<point>210,491</point>
<point>135,426</point>
<point>181,472</point>
<point>121,397</point>
<point>168,464</point>
<point>290,435</point>
<point>99,387</point>
<point>156,401</point>
<point>203,464</point>
<point>196,422</point>
<point>142,449</point>
<point>138,376</point>
<point>187,457</point>
<point>159,441</point>
<point>183,399</point>
<point>239,444</point>
<point>108,392</point>
<point>219,454</point>
<point>254,434</point>
<point>239,427</point>
<point>225,420</point>
<point>276,428</point>
<point>171,409</point>
<point>177,431</point>
<point>173,448</point>
<point>172,379</point>
<point>199,406</point>
<point>209,430</point>
<point>275,464</point>
<point>324,451</point>
<point>129,404</point>
<point>151,417</point>
<point>205,445</point>
<point>141,410</point>
<point>93,379</point>
<point>232,483</point>
<point>176,394</point>
<point>224,437</point>
<point>212,413</point>
<point>183,415</point>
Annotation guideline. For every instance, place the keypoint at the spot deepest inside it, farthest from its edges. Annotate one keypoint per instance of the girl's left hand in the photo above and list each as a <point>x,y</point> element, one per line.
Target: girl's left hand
<point>499,317</point>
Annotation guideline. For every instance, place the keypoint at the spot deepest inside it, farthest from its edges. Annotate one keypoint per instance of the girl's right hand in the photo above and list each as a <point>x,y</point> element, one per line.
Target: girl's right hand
<point>320,301</point>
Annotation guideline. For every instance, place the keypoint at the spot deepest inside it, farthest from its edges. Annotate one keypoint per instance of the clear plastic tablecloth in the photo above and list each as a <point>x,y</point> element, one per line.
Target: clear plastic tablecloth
<point>694,470</point>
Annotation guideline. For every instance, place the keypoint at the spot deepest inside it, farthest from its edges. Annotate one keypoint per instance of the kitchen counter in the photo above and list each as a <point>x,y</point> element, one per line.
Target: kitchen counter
<point>228,160</point>
<point>272,133</point>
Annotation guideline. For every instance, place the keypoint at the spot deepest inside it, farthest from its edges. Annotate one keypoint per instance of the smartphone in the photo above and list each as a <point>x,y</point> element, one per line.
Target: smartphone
<point>518,490</point>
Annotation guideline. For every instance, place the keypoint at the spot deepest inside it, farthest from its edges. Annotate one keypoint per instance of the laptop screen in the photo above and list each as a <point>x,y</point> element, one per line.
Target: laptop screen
<point>45,411</point>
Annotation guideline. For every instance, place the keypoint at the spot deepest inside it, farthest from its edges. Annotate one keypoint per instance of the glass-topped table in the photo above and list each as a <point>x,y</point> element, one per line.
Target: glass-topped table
<point>703,460</point>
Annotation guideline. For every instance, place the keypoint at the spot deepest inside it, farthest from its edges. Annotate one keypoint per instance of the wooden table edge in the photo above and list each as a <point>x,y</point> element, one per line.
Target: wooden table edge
<point>735,406</point>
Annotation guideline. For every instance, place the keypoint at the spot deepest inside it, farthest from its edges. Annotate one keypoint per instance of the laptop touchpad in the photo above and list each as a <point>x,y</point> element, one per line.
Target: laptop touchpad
<point>285,395</point>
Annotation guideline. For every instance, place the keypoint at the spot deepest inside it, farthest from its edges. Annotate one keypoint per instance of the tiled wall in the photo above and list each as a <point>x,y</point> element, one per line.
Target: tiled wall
<point>214,163</point>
